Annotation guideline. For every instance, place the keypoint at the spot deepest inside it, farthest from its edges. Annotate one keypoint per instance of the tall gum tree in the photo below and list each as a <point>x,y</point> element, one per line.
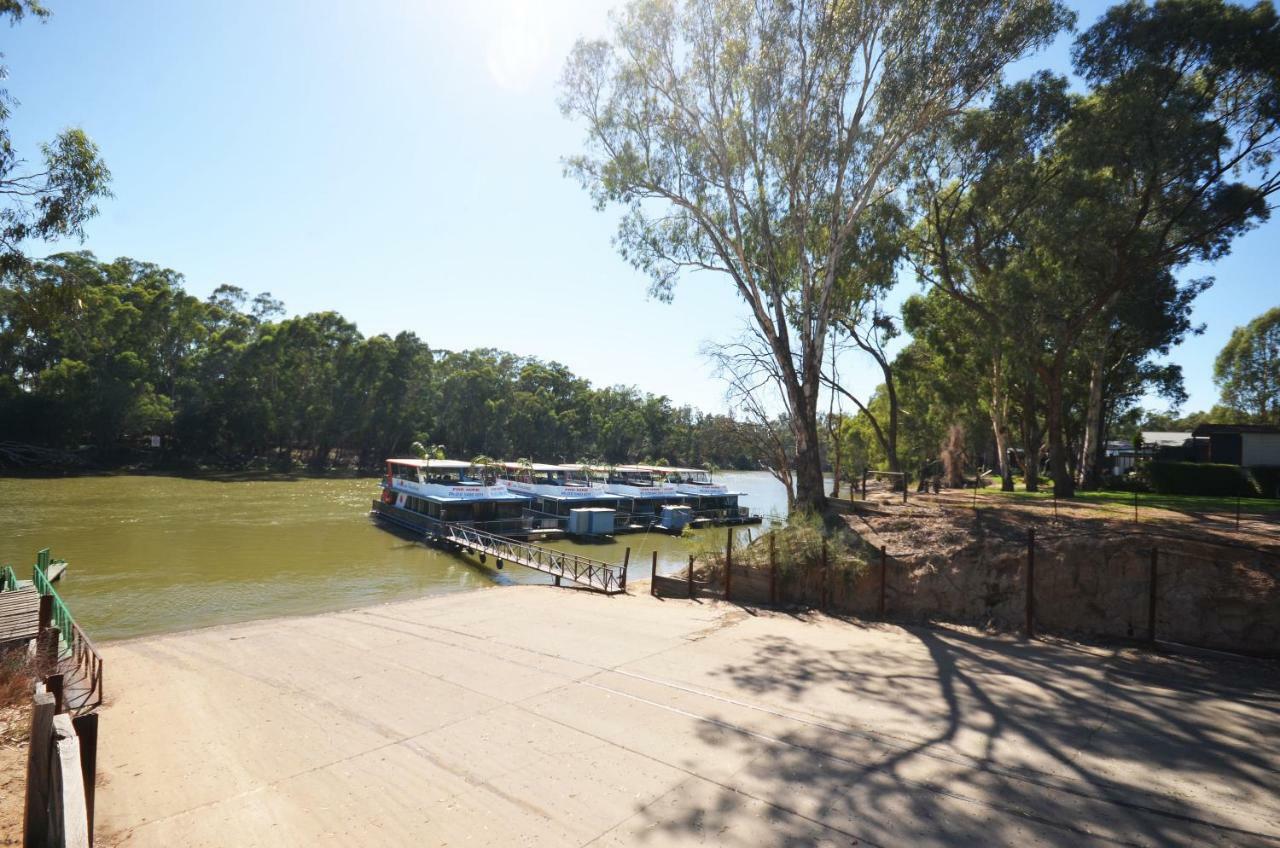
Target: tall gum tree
<point>750,139</point>
<point>1167,157</point>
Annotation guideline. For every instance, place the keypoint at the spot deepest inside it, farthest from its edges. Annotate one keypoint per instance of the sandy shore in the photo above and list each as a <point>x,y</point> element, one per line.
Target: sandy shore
<point>535,716</point>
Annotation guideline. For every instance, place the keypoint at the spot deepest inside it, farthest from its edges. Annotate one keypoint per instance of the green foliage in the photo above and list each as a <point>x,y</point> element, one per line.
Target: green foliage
<point>1248,369</point>
<point>799,542</point>
<point>104,353</point>
<point>760,142</point>
<point>1200,478</point>
<point>55,199</point>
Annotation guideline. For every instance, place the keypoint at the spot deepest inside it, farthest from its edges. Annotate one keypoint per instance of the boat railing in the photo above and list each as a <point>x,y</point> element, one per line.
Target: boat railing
<point>439,527</point>
<point>76,653</point>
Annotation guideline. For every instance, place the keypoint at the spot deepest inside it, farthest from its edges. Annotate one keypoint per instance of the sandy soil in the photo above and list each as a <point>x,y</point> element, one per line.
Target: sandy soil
<point>941,523</point>
<point>15,724</point>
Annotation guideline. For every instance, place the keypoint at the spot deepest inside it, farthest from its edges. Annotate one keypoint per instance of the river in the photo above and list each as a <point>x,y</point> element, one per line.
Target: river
<point>153,554</point>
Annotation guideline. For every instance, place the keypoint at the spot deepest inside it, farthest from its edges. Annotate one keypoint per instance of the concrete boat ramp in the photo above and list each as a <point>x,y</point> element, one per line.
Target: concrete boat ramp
<point>523,716</point>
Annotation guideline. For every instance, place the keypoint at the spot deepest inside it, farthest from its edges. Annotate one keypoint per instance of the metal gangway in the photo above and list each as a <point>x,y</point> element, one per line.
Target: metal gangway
<point>592,573</point>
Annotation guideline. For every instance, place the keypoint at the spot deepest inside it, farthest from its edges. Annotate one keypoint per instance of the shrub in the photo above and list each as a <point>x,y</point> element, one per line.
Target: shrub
<point>1200,478</point>
<point>1266,479</point>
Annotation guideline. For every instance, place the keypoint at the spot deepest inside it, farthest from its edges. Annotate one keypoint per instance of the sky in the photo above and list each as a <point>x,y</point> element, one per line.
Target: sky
<point>400,162</point>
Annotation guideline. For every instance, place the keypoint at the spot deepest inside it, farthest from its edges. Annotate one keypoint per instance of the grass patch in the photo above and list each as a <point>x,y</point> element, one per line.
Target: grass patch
<point>1176,503</point>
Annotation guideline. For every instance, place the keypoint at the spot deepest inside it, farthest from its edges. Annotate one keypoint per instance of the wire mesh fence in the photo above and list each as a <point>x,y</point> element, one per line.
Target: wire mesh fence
<point>1141,584</point>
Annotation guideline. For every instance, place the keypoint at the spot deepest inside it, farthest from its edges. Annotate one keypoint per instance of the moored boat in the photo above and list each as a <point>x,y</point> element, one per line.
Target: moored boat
<point>424,494</point>
<point>711,502</point>
<point>563,498</point>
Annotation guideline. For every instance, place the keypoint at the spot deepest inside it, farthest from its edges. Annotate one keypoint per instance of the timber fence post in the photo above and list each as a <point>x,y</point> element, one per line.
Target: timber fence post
<point>86,727</point>
<point>653,574</point>
<point>690,576</point>
<point>1151,595</point>
<point>54,683</point>
<point>1031,584</point>
<point>864,484</point>
<point>626,561</point>
<point>35,829</point>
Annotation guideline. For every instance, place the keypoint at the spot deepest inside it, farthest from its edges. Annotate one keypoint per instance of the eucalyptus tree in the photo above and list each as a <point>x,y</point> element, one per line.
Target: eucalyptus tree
<point>1247,370</point>
<point>979,185</point>
<point>53,197</point>
<point>1167,157</point>
<point>752,139</point>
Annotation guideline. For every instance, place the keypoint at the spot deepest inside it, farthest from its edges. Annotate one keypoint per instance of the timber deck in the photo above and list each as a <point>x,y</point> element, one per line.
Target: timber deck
<point>19,614</point>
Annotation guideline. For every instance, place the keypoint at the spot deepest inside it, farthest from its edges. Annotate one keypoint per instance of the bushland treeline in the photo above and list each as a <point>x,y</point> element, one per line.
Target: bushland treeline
<point>97,357</point>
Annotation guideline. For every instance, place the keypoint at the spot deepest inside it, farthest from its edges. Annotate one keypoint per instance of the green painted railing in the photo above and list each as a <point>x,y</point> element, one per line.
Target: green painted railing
<point>77,657</point>
<point>8,580</point>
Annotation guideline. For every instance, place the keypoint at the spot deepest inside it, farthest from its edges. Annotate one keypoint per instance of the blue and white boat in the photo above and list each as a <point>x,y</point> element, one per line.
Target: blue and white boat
<point>711,502</point>
<point>422,494</point>
<point>563,497</point>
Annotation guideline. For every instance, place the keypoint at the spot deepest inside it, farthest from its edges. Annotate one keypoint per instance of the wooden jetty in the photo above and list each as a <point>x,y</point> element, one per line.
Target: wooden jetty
<point>590,573</point>
<point>19,614</point>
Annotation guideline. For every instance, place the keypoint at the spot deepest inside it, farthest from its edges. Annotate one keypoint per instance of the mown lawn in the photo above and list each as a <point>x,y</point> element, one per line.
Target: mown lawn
<point>1178,503</point>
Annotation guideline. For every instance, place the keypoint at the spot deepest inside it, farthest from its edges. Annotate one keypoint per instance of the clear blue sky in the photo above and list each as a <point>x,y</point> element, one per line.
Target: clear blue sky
<point>399,162</point>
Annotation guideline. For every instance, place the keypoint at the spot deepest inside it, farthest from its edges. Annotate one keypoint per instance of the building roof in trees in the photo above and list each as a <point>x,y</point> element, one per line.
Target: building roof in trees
<point>1164,438</point>
<point>1231,429</point>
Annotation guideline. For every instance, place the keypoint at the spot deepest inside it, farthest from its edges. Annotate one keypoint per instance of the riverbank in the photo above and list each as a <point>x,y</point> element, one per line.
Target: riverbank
<point>554,717</point>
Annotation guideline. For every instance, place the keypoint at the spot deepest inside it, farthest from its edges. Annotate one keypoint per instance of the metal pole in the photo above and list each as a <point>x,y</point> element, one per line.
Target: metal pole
<point>884,557</point>
<point>1031,583</point>
<point>728,564</point>
<point>826,577</point>
<point>773,569</point>
<point>1151,598</point>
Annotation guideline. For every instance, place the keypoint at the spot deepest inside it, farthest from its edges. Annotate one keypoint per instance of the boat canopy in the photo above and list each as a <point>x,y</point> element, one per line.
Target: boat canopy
<point>454,464</point>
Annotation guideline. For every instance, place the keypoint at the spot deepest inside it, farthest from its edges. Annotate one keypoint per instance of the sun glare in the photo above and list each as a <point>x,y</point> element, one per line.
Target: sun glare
<point>519,45</point>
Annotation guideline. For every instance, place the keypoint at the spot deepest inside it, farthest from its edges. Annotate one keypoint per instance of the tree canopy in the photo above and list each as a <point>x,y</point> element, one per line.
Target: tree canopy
<point>102,355</point>
<point>757,141</point>
<point>1248,369</point>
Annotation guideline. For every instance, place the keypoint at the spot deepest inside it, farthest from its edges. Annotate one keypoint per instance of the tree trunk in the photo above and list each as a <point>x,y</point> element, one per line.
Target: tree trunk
<point>1000,425</point>
<point>803,390</point>
<point>1064,485</point>
<point>1031,438</point>
<point>834,430</point>
<point>1092,442</point>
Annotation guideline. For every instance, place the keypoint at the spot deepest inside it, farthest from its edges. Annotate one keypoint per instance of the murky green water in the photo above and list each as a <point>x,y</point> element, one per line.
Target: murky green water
<point>157,554</point>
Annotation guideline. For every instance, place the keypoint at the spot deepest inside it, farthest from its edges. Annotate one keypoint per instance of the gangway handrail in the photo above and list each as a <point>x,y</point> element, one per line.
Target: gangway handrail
<point>76,651</point>
<point>606,577</point>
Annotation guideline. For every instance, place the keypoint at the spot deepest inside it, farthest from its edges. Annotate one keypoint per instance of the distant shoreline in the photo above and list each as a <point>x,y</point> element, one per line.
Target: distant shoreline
<point>226,476</point>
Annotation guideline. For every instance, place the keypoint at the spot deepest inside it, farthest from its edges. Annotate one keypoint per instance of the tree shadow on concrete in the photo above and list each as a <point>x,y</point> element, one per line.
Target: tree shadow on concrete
<point>961,738</point>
